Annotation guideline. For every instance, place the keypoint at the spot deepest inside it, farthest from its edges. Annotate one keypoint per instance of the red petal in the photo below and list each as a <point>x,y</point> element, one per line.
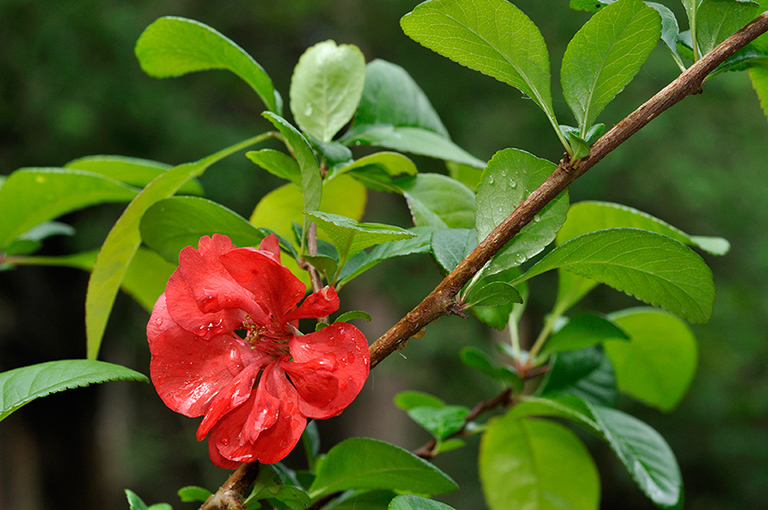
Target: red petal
<point>271,245</point>
<point>275,288</point>
<point>188,371</point>
<point>319,304</point>
<point>230,397</point>
<point>218,459</point>
<point>272,444</point>
<point>329,368</point>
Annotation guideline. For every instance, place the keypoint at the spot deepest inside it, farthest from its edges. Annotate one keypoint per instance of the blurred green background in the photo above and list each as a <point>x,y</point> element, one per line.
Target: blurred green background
<point>70,86</point>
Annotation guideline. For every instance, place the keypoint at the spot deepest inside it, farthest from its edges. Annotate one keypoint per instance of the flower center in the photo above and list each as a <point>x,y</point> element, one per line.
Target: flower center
<point>265,338</point>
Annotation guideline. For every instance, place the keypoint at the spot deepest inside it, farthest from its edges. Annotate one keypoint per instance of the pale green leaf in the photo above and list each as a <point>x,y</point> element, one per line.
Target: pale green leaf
<point>23,385</point>
<point>658,364</point>
<point>326,87</point>
<point>409,399</point>
<point>438,201</point>
<point>490,36</point>
<point>361,463</point>
<point>124,239</point>
<point>536,465</point>
<point>583,331</point>
<point>173,46</point>
<point>391,163</point>
<point>604,56</point>
<point>654,268</point>
<point>31,196</point>
<point>277,163</point>
<point>510,177</point>
<point>132,171</point>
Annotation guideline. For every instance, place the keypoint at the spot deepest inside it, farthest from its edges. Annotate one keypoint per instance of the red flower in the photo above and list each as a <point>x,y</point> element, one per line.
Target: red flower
<point>225,344</point>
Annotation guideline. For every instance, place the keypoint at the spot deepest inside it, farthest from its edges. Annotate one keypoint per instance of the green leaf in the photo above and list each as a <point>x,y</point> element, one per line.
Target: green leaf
<point>510,177</point>
<point>670,31</point>
<point>537,465</point>
<point>353,314</point>
<point>175,223</point>
<point>279,209</point>
<point>350,237</point>
<point>644,453</point>
<point>589,5</point>
<point>362,500</point>
<point>586,373</point>
<point>441,422</point>
<point>469,176</point>
<point>582,331</point>
<point>311,182</point>
<point>191,494</point>
<point>492,294</point>
<point>23,385</point>
<point>132,171</point>
<point>604,56</point>
<point>326,87</point>
<point>32,196</point>
<point>451,245</point>
<point>173,46</point>
<point>410,502</point>
<point>395,113</point>
<point>579,145</point>
<point>759,77</point>
<point>718,19</point>
<point>478,360</point>
<point>392,163</point>
<point>589,216</point>
<point>31,240</point>
<point>277,163</point>
<point>653,268</point>
<point>361,463</point>
<point>490,36</point>
<point>134,501</point>
<point>658,364</point>
<point>420,243</point>
<point>124,239</point>
<point>437,200</point>
<point>407,400</point>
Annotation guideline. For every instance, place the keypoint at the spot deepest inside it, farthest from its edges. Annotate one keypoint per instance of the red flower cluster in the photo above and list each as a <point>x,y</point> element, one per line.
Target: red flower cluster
<point>225,344</point>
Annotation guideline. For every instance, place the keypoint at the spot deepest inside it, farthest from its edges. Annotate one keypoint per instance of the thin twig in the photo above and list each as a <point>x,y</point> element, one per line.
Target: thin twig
<point>427,451</point>
<point>440,301</point>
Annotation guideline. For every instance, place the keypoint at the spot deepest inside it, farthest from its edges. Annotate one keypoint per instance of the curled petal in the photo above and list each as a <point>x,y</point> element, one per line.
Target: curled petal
<point>184,310</point>
<point>273,285</point>
<point>186,370</point>
<point>329,368</point>
<point>218,459</point>
<point>271,444</point>
<point>270,244</point>
<point>319,304</point>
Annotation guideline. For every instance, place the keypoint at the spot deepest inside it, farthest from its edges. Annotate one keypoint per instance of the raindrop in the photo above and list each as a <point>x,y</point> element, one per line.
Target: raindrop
<point>512,184</point>
<point>308,109</point>
<point>490,179</point>
<point>520,257</point>
<point>536,219</point>
<point>159,321</point>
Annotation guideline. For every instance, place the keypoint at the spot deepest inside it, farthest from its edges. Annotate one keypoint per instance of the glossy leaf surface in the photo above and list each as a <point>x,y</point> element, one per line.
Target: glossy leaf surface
<point>651,267</point>
<point>511,175</point>
<point>537,465</point>
<point>605,54</point>
<point>361,463</point>
<point>411,502</point>
<point>438,201</point>
<point>490,36</point>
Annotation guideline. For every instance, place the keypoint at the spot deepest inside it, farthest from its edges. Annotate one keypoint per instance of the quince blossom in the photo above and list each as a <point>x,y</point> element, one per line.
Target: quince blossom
<point>225,345</point>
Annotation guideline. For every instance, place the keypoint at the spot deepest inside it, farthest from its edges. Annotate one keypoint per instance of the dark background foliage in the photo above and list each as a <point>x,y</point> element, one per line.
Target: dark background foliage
<point>70,86</point>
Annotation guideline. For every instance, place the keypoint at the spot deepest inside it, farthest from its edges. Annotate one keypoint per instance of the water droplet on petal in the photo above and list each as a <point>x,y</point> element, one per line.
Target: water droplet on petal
<point>159,321</point>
